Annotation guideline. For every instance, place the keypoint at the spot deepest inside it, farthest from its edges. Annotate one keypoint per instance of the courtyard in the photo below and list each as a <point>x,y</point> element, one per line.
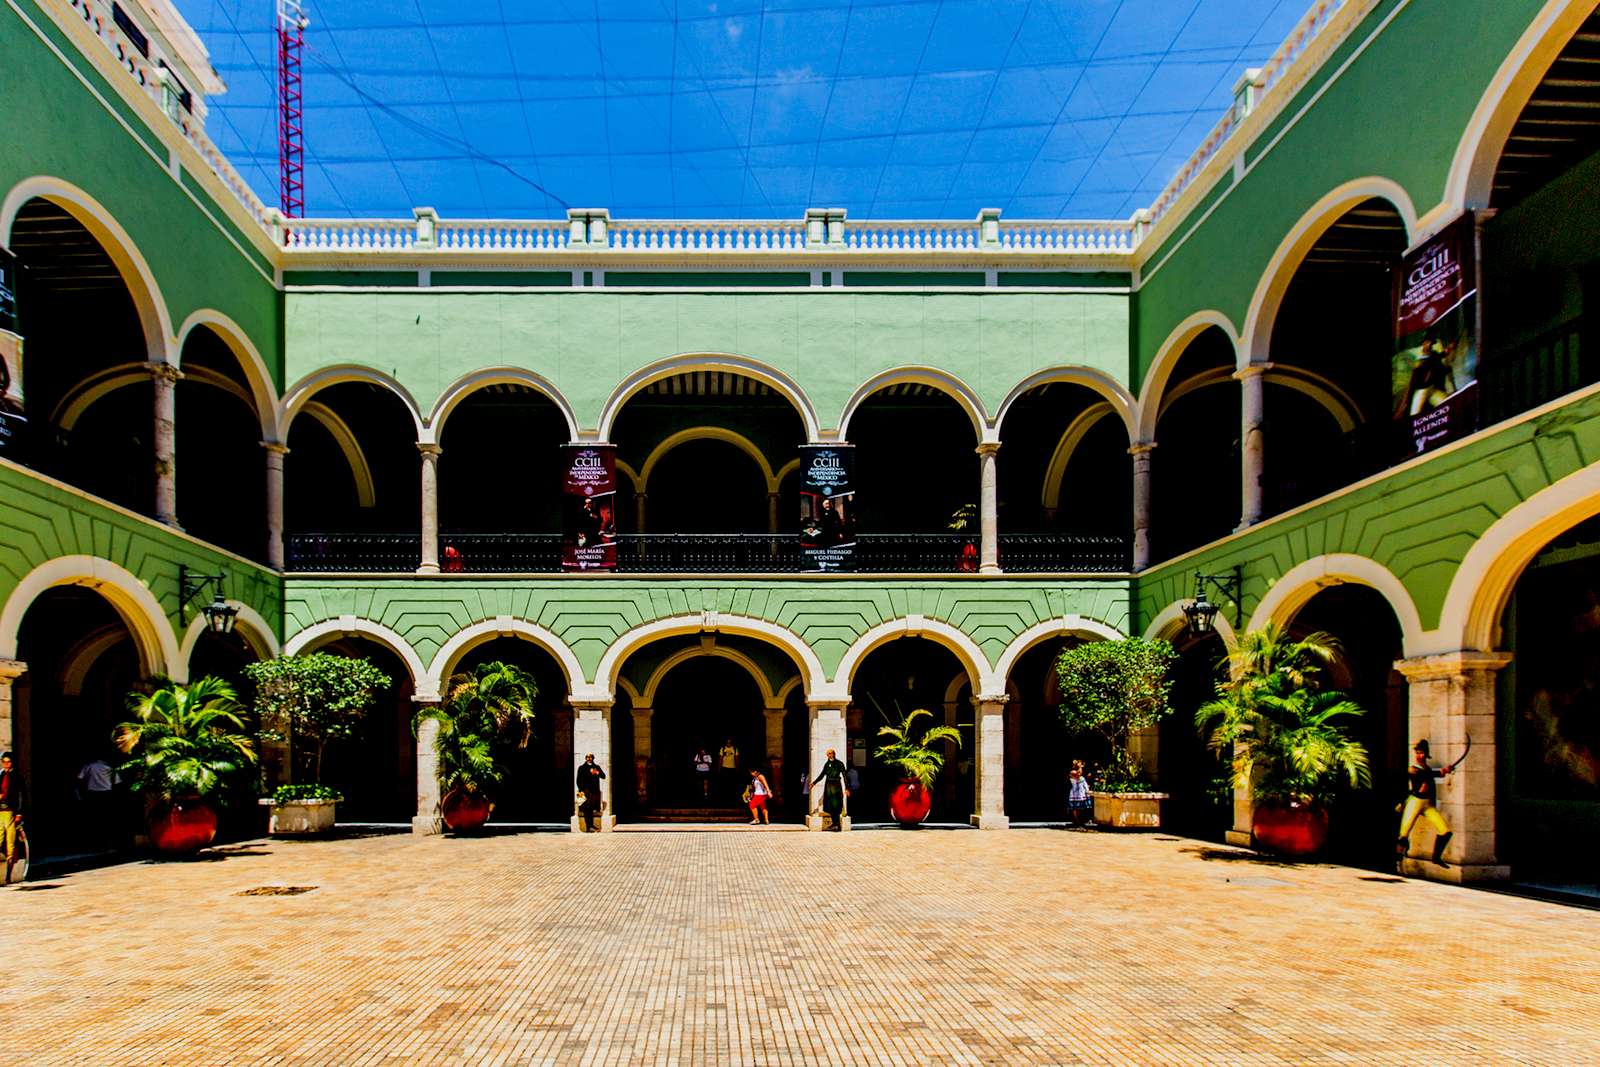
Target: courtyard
<point>758,947</point>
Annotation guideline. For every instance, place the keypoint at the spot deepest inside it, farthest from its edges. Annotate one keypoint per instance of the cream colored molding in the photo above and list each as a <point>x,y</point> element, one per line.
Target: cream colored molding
<point>947,383</point>
<point>965,648</point>
<point>722,362</point>
<point>467,384</point>
<point>1293,591</point>
<point>449,656</point>
<point>152,633</point>
<point>1061,625</point>
<point>325,633</point>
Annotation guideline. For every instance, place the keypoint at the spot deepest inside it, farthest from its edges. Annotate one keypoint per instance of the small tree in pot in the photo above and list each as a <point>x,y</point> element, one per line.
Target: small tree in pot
<point>1115,689</point>
<point>1284,736</point>
<point>488,710</point>
<point>919,759</point>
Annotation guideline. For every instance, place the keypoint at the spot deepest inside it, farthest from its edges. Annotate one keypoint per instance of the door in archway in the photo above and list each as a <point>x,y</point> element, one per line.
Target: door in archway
<point>704,702</point>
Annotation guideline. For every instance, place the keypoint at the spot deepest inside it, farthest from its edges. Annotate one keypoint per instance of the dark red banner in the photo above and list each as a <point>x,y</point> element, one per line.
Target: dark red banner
<point>1434,368</point>
<point>589,503</point>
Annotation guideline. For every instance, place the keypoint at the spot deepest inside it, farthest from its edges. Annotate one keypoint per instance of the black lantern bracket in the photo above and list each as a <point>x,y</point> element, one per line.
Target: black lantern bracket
<point>1202,613</point>
<point>219,613</point>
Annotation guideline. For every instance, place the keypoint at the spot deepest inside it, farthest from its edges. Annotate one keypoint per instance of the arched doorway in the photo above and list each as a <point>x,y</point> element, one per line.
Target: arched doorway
<point>494,430</point>
<point>1202,800</point>
<point>376,771</point>
<point>705,702</point>
<point>1195,467</point>
<point>1039,749</point>
<point>220,498</point>
<point>916,462</point>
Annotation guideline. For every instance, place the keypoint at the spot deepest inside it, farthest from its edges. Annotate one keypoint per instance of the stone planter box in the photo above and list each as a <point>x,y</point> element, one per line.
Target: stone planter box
<point>299,816</point>
<point>1128,810</point>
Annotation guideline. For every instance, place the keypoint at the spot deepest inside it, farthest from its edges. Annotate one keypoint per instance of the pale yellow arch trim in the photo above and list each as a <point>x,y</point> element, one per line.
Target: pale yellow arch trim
<point>248,624</point>
<point>330,630</point>
<point>1167,356</point>
<point>1290,593</point>
<point>1338,403</point>
<point>79,660</point>
<point>1470,619</point>
<point>945,382</point>
<point>101,384</point>
<point>984,680</point>
<point>127,595</point>
<point>1171,621</point>
<point>463,641</point>
<point>263,395</point>
<point>468,384</point>
<point>706,433</point>
<point>345,438</point>
<point>607,671</point>
<point>724,362</point>
<point>718,651</point>
<point>1112,391</point>
<point>625,686</point>
<point>1060,626</point>
<point>140,280</point>
<point>1291,252</point>
<point>1470,182</point>
<point>302,391</point>
<point>1071,438</point>
<point>782,695</point>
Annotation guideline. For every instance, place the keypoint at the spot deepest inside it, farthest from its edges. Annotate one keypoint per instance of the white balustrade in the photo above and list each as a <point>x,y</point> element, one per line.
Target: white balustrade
<point>647,236</point>
<point>1115,237</point>
<point>501,236</point>
<point>349,235</point>
<point>911,236</point>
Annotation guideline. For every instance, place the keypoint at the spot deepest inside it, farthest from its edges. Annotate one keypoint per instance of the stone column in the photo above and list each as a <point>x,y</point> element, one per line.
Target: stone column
<point>591,734</point>
<point>774,717</point>
<point>989,758</point>
<point>427,820</point>
<point>772,512</point>
<point>988,510</point>
<point>1451,696</point>
<point>1252,441</point>
<point>165,377</point>
<point>641,754</point>
<point>1243,834</point>
<point>1141,503</point>
<point>430,508</point>
<point>639,501</point>
<point>827,731</point>
<point>10,670</point>
<point>275,452</point>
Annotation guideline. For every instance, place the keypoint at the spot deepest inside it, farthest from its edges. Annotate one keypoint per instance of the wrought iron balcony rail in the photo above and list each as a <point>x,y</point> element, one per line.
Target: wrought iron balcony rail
<point>1540,370</point>
<point>700,553</point>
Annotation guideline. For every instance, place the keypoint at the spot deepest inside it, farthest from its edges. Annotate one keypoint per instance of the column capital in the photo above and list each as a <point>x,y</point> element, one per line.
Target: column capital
<point>277,447</point>
<point>774,713</point>
<point>1141,448</point>
<point>987,702</point>
<point>642,713</point>
<point>987,448</point>
<point>429,450</point>
<point>839,704</point>
<point>1252,370</point>
<point>1450,665</point>
<point>587,708</point>
<point>11,668</point>
<point>163,371</point>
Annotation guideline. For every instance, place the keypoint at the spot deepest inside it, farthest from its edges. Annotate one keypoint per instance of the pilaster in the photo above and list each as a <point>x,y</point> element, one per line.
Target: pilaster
<point>427,819</point>
<point>641,752</point>
<point>989,759</point>
<point>10,670</point>
<point>827,731</point>
<point>591,735</point>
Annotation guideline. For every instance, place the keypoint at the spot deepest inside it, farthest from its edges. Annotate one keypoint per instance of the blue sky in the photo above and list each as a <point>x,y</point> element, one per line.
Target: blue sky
<point>737,108</point>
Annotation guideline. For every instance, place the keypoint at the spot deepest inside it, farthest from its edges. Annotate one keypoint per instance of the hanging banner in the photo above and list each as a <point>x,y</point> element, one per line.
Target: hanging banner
<point>1434,370</point>
<point>12,420</point>
<point>589,508</point>
<point>827,508</point>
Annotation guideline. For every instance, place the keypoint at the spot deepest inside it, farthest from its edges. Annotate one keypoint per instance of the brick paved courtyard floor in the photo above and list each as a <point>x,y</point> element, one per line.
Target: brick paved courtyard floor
<point>767,948</point>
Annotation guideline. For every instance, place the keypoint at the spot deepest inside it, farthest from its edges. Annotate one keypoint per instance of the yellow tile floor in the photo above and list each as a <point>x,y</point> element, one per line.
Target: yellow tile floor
<point>764,948</point>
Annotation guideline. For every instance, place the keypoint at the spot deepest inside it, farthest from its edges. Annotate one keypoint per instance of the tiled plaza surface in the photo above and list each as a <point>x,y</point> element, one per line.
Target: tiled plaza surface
<point>756,947</point>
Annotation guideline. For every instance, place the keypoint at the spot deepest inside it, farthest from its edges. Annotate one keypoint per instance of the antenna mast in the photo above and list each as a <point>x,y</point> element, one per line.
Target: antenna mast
<point>292,23</point>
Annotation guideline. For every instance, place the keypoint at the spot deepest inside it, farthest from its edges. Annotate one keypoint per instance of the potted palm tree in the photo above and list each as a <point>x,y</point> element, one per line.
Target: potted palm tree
<point>188,744</point>
<point>1115,689</point>
<point>918,759</point>
<point>488,710</point>
<point>1285,736</point>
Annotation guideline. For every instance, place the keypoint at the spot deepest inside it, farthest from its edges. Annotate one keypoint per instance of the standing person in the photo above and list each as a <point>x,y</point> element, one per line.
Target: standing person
<point>805,793</point>
<point>702,771</point>
<point>95,780</point>
<point>1422,796</point>
<point>834,792</point>
<point>1079,802</point>
<point>589,775</point>
<point>11,804</point>
<point>759,792</point>
<point>728,761</point>
<point>852,778</point>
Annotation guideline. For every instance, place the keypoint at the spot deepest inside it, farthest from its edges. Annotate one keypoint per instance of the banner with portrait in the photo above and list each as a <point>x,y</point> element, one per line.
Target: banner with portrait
<point>589,507</point>
<point>1434,368</point>
<point>827,508</point>
<point>12,420</point>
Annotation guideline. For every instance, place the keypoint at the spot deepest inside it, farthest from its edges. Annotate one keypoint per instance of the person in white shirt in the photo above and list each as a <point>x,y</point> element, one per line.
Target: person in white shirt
<point>702,771</point>
<point>759,791</point>
<point>1079,802</point>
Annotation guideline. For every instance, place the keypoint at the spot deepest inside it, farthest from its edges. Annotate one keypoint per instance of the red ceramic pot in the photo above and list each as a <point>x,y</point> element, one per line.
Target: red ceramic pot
<point>463,811</point>
<point>185,825</point>
<point>1290,829</point>
<point>909,803</point>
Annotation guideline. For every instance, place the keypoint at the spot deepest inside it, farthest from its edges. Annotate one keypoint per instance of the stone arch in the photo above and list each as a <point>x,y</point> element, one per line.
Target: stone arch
<point>463,641</point>
<point>464,386</point>
<point>1153,391</point>
<point>1470,182</point>
<point>79,660</point>
<point>137,276</point>
<point>1116,395</point>
<point>84,394</point>
<point>769,697</point>
<point>1295,589</point>
<point>945,382</point>
<point>330,630</point>
<point>130,597</point>
<point>984,680</point>
<point>1071,438</point>
<point>1170,622</point>
<point>248,624</point>
<point>1291,251</point>
<point>708,433</point>
<point>1338,403</point>
<point>607,672</point>
<point>297,396</point>
<point>1062,625</point>
<point>718,361</point>
<point>1470,619</point>
<point>354,454</point>
<point>263,397</point>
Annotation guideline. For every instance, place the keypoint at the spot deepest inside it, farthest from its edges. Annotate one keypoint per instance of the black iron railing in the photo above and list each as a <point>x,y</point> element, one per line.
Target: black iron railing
<point>702,553</point>
<point>1524,377</point>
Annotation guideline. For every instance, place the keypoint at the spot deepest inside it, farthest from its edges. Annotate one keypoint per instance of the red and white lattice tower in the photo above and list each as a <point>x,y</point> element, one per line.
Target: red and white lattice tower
<point>292,24</point>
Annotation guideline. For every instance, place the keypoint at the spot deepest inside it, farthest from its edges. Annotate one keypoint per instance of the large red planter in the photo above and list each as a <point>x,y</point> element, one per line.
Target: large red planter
<point>186,824</point>
<point>909,803</point>
<point>1290,829</point>
<point>462,811</point>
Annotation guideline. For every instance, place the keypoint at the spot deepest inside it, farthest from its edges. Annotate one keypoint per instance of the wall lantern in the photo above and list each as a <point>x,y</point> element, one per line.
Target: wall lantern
<point>219,613</point>
<point>1202,613</point>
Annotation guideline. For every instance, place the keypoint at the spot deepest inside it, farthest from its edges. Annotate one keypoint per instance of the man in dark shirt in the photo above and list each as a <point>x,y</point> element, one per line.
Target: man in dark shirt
<point>589,775</point>
<point>1422,797</point>
<point>11,800</point>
